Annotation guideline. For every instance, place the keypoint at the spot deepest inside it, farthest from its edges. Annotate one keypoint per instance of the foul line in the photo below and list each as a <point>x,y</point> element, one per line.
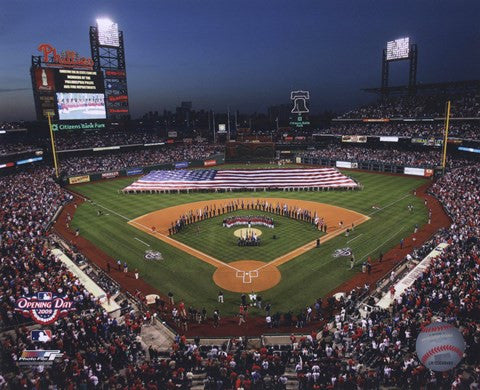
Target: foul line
<point>388,205</point>
<point>361,234</point>
<point>392,236</point>
<point>310,245</point>
<point>143,242</point>
<point>165,238</point>
<point>302,249</point>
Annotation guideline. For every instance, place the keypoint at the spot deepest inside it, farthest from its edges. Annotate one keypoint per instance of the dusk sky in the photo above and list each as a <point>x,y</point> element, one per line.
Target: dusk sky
<point>244,54</point>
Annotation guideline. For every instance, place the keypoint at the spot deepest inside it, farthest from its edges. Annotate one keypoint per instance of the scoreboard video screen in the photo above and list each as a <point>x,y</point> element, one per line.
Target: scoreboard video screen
<point>71,94</point>
<point>69,80</point>
<point>73,106</point>
<point>398,49</point>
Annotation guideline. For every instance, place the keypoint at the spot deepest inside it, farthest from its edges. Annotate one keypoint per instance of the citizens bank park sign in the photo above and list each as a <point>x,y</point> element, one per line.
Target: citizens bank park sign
<point>44,307</point>
<point>78,126</point>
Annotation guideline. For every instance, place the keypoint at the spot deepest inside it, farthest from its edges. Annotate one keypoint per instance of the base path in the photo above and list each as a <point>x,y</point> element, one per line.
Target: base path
<point>247,275</point>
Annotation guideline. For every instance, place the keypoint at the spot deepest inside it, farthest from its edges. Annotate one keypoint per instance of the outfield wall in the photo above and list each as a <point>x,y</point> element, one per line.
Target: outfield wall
<point>134,171</point>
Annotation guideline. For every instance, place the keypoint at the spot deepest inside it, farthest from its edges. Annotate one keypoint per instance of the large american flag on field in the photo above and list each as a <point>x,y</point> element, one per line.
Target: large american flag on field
<point>241,178</point>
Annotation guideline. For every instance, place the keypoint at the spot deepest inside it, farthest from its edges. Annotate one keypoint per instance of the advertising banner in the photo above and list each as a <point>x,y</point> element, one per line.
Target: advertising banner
<point>106,148</point>
<point>45,80</point>
<point>209,163</point>
<point>181,165</point>
<point>155,144</point>
<point>109,175</point>
<point>354,138</point>
<point>427,141</point>
<point>79,126</point>
<point>414,171</point>
<point>389,139</point>
<point>118,74</point>
<point>118,110</point>
<point>471,150</point>
<point>117,98</point>
<point>343,164</point>
<point>79,179</point>
<point>376,120</point>
<point>29,160</point>
<point>136,171</point>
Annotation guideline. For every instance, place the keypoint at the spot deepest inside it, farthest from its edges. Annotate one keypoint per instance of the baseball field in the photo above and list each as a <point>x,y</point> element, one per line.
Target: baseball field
<point>286,269</point>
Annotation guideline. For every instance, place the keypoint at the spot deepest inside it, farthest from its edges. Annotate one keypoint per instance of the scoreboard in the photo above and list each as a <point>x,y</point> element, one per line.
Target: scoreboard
<point>69,94</point>
<point>69,80</point>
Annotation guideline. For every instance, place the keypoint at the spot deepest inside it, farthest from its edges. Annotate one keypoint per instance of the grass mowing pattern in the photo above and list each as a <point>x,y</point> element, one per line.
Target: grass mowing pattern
<point>219,242</point>
<point>304,278</point>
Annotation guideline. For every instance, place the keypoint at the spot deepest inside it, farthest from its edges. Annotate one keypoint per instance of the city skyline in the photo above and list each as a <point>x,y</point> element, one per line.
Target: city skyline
<point>246,55</point>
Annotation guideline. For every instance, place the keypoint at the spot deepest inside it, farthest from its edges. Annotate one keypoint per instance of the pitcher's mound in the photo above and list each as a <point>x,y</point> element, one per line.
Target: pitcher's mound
<point>245,232</point>
<point>247,276</point>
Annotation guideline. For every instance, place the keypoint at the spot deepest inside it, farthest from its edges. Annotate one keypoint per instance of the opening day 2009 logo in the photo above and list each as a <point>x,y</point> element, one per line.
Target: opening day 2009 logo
<point>44,307</point>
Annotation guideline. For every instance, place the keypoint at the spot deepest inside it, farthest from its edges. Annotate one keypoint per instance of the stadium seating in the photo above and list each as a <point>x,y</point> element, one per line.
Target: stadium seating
<point>402,129</point>
<point>412,158</point>
<point>357,351</point>
<point>419,106</point>
<point>137,158</point>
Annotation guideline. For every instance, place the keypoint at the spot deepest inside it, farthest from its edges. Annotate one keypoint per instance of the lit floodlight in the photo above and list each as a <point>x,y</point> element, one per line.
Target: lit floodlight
<point>398,49</point>
<point>107,32</point>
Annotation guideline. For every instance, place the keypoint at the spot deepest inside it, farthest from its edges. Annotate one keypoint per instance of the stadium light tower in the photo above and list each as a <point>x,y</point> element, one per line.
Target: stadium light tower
<point>400,50</point>
<point>108,54</point>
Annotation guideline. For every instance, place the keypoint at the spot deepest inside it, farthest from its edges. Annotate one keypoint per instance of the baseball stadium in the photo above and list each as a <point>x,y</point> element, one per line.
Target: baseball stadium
<point>327,242</point>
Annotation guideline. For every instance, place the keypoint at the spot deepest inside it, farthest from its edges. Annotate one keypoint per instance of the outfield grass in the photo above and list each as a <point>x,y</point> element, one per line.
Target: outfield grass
<point>304,278</point>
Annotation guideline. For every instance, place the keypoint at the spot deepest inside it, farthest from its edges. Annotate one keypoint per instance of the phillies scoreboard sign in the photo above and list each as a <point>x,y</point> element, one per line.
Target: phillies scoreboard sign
<point>64,59</point>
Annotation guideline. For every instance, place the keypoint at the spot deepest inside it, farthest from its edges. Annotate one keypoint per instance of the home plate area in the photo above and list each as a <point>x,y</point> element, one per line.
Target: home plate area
<point>247,275</point>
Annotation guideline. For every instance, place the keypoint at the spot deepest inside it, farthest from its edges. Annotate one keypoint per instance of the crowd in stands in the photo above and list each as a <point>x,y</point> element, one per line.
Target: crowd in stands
<point>11,125</point>
<point>366,351</point>
<point>99,277</point>
<point>401,129</point>
<point>96,347</point>
<point>17,147</point>
<point>419,106</point>
<point>19,142</point>
<point>95,139</point>
<point>411,158</point>
<point>378,349</point>
<point>137,158</point>
<point>427,158</point>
